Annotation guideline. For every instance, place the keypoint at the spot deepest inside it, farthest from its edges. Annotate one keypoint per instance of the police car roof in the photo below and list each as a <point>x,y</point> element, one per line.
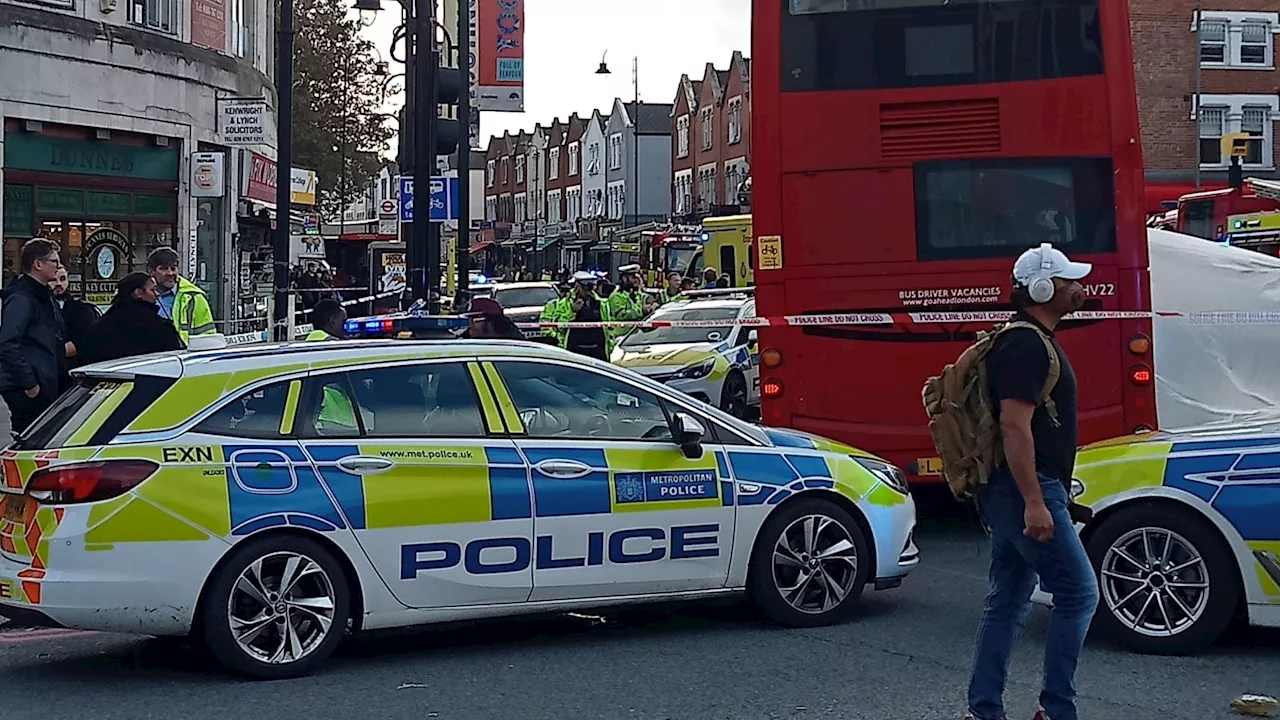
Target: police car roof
<point>281,358</point>
<point>513,285</point>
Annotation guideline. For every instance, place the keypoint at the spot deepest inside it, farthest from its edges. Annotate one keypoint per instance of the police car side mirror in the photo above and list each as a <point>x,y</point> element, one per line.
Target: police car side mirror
<point>688,434</point>
<point>753,337</point>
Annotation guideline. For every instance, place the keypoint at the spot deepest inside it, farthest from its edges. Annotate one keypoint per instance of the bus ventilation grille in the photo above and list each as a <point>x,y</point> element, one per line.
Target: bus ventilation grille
<point>941,129</point>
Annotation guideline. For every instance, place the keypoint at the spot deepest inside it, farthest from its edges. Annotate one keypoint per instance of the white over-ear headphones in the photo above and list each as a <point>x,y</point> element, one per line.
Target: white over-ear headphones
<point>1040,287</point>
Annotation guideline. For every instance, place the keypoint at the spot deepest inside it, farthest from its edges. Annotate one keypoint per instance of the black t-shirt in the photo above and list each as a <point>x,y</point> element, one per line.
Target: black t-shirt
<point>1018,367</point>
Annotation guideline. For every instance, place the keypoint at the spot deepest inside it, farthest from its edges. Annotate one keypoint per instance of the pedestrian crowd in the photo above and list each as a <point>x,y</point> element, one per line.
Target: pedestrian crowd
<point>45,332</point>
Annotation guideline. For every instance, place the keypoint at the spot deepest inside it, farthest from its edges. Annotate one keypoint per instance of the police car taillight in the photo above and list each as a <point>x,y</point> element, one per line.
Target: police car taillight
<point>88,482</point>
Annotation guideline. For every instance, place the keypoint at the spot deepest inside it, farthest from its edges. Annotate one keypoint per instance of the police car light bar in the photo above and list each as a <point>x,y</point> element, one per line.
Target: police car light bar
<point>401,323</point>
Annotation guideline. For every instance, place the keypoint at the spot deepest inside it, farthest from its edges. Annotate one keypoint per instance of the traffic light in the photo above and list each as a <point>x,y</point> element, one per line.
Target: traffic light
<point>448,89</point>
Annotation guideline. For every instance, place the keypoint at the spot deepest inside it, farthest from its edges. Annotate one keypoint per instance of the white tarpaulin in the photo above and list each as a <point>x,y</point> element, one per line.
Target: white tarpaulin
<point>1213,373</point>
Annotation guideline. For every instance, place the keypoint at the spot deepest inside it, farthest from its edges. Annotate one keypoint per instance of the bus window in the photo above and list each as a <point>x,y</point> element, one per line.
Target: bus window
<point>729,264</point>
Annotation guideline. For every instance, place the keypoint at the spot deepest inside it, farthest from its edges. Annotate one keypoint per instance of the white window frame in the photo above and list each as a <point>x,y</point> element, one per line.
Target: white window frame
<point>506,170</point>
<point>573,159</point>
<point>593,159</point>
<point>553,206</point>
<point>707,123</point>
<point>491,169</point>
<point>615,151</point>
<point>521,206</point>
<point>683,183</point>
<point>491,208</point>
<point>573,203</point>
<point>519,169</point>
<point>682,136</point>
<point>616,195</point>
<point>1233,107</point>
<point>735,120</point>
<point>553,164</point>
<point>1233,42</point>
<point>158,15</point>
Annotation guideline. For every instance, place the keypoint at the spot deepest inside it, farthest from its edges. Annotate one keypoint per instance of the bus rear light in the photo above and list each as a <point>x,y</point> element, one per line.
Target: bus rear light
<point>1140,345</point>
<point>770,358</point>
<point>771,388</point>
<point>1140,374</point>
<point>88,482</point>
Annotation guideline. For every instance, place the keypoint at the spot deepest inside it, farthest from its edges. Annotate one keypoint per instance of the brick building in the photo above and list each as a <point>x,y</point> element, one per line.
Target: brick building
<point>1235,61</point>
<point>711,140</point>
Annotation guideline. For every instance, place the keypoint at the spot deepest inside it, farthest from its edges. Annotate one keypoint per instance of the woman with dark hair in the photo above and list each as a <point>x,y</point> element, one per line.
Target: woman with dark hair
<point>132,326</point>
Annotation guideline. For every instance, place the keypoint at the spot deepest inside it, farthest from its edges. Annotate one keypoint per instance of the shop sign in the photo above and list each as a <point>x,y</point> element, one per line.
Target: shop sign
<point>18,218</point>
<point>260,182</point>
<point>302,186</point>
<point>393,272</point>
<point>209,24</point>
<point>242,122</point>
<point>208,175</point>
<point>105,252</point>
<point>57,201</point>
<point>158,206</point>
<point>102,204</point>
<point>29,151</point>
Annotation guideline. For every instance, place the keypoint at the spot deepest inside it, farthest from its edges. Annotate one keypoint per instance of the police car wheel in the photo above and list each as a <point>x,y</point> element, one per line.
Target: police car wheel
<point>1167,581</point>
<point>810,564</point>
<point>733,396</point>
<point>277,608</point>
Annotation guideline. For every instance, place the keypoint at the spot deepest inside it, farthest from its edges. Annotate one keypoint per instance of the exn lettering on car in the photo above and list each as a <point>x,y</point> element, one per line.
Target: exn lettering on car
<point>686,541</point>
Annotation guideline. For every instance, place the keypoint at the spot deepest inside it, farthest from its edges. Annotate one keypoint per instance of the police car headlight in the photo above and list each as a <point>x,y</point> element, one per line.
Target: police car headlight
<point>695,372</point>
<point>889,474</point>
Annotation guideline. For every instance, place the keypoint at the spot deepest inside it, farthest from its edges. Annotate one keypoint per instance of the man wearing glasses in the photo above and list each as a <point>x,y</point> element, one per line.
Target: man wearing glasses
<point>32,348</point>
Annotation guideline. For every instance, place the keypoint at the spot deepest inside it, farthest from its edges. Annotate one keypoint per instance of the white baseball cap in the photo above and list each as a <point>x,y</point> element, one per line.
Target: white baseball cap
<point>1048,262</point>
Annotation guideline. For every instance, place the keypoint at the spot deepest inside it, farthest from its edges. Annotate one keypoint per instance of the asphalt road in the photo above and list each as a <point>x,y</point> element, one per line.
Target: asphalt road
<point>906,656</point>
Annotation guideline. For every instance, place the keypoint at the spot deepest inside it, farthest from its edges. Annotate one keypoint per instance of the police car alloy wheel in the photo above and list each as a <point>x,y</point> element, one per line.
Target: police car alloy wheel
<point>1166,579</point>
<point>277,608</point>
<point>810,564</point>
<point>733,398</point>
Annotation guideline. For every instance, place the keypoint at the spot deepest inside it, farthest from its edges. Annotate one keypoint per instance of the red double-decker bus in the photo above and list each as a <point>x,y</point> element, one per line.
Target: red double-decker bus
<point>906,151</point>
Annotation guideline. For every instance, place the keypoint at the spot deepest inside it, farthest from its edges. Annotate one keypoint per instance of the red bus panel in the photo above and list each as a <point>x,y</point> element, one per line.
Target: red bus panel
<point>906,151</point>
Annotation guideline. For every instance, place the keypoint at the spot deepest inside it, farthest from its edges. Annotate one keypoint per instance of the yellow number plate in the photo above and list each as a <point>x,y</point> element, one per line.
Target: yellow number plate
<point>15,507</point>
<point>929,466</point>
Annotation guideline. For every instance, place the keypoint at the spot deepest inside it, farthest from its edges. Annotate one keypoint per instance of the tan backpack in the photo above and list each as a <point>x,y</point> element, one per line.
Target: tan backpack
<point>961,420</point>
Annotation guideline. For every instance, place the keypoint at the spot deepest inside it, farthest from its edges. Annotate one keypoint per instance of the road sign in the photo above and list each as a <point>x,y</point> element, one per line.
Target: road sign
<point>388,207</point>
<point>444,199</point>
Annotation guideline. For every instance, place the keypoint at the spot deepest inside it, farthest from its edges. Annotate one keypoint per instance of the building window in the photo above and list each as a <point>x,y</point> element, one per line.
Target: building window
<point>506,170</point>
<point>574,203</point>
<point>1212,120</point>
<point>735,120</point>
<point>682,136</point>
<point>593,159</point>
<point>1254,121</point>
<point>521,204</point>
<point>553,205</point>
<point>573,159</point>
<point>708,129</point>
<point>154,14</point>
<point>615,151</point>
<point>242,28</point>
<point>489,171</point>
<point>553,172</point>
<point>1240,40</point>
<point>491,208</point>
<point>684,193</point>
<point>707,187</point>
<point>519,169</point>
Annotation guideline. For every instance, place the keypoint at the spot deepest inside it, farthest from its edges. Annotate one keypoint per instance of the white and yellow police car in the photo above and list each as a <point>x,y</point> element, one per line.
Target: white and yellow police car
<point>717,364</point>
<point>1184,536</point>
<point>266,500</point>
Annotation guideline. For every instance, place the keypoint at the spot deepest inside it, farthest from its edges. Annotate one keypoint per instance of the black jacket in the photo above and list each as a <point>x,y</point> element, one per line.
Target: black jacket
<point>131,327</point>
<point>77,317</point>
<point>31,338</point>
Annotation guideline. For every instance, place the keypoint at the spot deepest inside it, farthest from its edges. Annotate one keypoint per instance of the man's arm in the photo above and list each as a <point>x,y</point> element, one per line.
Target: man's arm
<point>14,319</point>
<point>1019,368</point>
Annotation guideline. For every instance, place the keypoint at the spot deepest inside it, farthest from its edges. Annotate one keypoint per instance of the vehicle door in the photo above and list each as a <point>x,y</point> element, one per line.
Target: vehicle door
<point>744,338</point>
<point>436,495</point>
<point>618,507</point>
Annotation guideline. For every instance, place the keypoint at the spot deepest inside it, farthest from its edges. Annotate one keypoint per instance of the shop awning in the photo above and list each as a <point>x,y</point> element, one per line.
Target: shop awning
<point>480,246</point>
<point>545,242</point>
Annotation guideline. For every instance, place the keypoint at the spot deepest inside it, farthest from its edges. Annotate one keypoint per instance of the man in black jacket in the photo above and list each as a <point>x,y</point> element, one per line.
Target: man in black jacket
<point>132,326</point>
<point>77,317</point>
<point>31,337</point>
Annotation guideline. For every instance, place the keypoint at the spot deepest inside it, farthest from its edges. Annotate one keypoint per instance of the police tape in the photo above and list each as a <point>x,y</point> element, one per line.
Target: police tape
<point>357,301</point>
<point>1214,317</point>
<point>300,331</point>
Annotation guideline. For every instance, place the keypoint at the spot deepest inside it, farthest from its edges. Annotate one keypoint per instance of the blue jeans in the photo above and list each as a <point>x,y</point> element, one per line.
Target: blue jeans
<point>1016,560</point>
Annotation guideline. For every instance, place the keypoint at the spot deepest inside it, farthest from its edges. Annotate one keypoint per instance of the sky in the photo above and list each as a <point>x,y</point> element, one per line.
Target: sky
<point>565,40</point>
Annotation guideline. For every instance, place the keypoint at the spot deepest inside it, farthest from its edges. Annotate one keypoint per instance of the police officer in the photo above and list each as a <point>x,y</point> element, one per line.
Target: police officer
<point>627,301</point>
<point>582,304</point>
<point>675,286</point>
<point>328,320</point>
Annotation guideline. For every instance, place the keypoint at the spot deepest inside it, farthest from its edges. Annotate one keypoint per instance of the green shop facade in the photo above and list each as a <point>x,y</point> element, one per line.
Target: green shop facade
<point>107,202</point>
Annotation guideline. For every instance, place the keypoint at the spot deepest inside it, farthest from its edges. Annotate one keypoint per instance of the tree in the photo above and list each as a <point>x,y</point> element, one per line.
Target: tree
<point>338,128</point>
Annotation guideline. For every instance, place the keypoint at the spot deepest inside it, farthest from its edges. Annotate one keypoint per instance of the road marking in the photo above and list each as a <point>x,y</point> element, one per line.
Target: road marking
<point>15,637</point>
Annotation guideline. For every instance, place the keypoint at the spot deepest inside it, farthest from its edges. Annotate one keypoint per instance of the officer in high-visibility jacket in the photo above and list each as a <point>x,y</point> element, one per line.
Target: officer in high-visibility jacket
<point>337,415</point>
<point>627,301</point>
<point>181,301</point>
<point>581,304</point>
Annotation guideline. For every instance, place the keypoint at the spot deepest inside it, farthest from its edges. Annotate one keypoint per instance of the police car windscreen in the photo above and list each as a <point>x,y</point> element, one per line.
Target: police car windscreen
<point>526,297</point>
<point>666,335</point>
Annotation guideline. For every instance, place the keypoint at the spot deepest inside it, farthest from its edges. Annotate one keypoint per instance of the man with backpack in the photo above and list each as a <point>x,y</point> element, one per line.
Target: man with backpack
<point>1011,447</point>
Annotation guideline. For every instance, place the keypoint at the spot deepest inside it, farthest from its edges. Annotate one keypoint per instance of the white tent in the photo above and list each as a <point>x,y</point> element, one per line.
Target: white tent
<point>1213,371</point>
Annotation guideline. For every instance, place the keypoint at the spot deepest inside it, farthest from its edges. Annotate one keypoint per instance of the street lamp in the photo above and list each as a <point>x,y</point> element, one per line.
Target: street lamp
<point>635,131</point>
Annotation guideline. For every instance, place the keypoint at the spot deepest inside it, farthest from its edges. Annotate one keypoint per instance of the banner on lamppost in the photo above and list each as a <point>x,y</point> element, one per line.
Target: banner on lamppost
<point>500,56</point>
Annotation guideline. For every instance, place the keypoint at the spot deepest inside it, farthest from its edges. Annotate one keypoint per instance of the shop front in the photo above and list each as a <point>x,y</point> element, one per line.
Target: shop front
<point>254,251</point>
<point>107,203</point>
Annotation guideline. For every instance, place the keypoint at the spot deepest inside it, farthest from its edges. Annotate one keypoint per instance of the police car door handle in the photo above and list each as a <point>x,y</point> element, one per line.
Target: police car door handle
<point>359,465</point>
<point>563,469</point>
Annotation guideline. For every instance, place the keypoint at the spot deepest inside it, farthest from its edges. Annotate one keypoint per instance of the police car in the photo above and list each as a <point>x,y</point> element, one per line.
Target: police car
<point>1184,536</point>
<point>264,500</point>
<point>717,364</point>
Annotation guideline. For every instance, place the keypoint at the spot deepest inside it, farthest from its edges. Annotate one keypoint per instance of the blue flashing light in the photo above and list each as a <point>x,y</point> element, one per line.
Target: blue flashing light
<point>705,236</point>
<point>373,325</point>
<point>352,326</point>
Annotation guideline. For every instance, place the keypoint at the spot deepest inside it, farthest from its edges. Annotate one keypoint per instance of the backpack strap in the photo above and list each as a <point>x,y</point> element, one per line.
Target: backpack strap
<point>1055,367</point>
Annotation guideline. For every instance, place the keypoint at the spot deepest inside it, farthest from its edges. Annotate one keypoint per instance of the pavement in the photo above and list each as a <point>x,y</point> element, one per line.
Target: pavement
<point>905,656</point>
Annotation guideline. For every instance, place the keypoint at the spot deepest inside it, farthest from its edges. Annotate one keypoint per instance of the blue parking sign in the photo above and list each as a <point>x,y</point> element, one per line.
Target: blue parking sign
<point>443,196</point>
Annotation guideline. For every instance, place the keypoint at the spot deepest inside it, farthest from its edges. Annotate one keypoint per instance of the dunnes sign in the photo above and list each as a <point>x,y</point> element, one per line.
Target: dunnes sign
<point>26,151</point>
